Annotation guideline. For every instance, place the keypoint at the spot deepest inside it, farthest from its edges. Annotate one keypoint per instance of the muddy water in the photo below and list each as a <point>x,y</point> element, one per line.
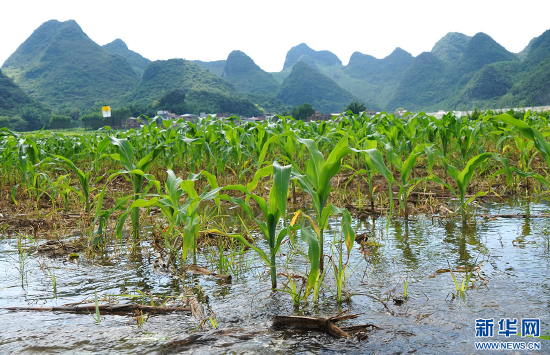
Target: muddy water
<point>514,252</point>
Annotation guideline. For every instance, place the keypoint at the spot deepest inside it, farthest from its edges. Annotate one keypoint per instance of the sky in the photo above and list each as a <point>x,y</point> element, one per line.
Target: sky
<point>265,30</point>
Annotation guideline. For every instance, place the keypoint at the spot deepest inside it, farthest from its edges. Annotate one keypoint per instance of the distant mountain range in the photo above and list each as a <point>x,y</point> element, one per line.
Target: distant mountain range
<point>60,68</point>
<point>60,65</point>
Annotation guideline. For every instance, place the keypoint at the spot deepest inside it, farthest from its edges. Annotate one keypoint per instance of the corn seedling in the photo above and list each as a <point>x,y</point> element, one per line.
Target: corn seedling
<point>22,261</point>
<point>405,182</point>
<point>378,163</point>
<point>405,287</point>
<point>348,240</point>
<point>462,287</point>
<point>528,132</point>
<point>316,182</point>
<point>292,289</point>
<point>83,178</point>
<point>135,172</point>
<point>463,178</point>
<point>97,315</point>
<point>272,210</point>
<point>52,277</point>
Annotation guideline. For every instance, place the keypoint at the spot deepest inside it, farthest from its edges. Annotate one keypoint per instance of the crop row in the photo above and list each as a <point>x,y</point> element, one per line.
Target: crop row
<point>229,162</point>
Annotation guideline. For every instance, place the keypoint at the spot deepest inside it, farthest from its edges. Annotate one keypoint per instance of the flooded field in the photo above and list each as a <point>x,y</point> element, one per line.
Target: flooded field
<point>509,260</point>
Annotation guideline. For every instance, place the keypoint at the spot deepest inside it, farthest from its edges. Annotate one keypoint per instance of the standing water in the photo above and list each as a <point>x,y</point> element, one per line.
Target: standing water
<point>509,259</point>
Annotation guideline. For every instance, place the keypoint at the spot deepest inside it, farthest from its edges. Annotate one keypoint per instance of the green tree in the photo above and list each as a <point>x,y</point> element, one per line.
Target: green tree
<point>4,122</point>
<point>18,124</point>
<point>138,109</point>
<point>119,115</point>
<point>173,101</point>
<point>92,120</point>
<point>75,114</point>
<point>303,111</point>
<point>60,122</point>
<point>356,107</point>
<point>33,117</point>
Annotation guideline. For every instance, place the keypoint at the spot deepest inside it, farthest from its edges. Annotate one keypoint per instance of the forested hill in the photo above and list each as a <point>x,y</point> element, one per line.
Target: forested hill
<point>306,84</point>
<point>12,98</point>
<point>241,71</point>
<point>136,60</point>
<point>17,109</point>
<point>200,89</point>
<point>60,68</point>
<point>60,65</point>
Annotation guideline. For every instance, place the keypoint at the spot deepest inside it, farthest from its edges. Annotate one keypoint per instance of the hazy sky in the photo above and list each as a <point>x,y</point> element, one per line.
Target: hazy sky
<point>266,30</point>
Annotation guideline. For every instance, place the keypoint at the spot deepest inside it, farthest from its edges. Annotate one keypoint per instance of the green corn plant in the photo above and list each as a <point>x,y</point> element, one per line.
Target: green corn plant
<point>528,132</point>
<point>135,172</point>
<point>340,269</point>
<point>234,136</point>
<point>311,236</point>
<point>524,148</point>
<point>316,181</point>
<point>530,174</point>
<point>462,287</point>
<point>462,179</point>
<point>389,129</point>
<point>377,161</point>
<point>315,277</point>
<point>102,216</point>
<point>365,144</point>
<point>29,162</point>
<point>467,139</point>
<point>531,134</point>
<point>173,211</point>
<point>294,292</point>
<point>223,262</point>
<point>405,182</point>
<point>273,210</point>
<point>63,187</point>
<point>191,210</point>
<point>54,282</point>
<point>83,178</point>
<point>8,160</point>
<point>444,132</point>
<point>97,316</point>
<point>292,289</point>
<point>405,287</point>
<point>176,213</point>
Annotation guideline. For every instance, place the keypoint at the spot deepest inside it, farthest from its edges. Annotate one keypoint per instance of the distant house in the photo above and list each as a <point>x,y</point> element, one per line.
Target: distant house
<point>163,113</point>
<point>439,114</point>
<point>167,115</point>
<point>223,115</point>
<point>319,116</point>
<point>400,113</point>
<point>132,122</point>
<point>370,112</point>
<point>189,117</point>
<point>253,119</point>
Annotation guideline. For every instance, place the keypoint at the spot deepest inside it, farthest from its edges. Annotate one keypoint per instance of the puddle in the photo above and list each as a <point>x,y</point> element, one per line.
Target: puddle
<point>514,253</point>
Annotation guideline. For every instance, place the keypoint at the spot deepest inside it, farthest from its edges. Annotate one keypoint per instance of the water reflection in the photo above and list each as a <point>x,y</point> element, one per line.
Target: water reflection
<point>401,235</point>
<point>461,237</point>
<point>518,288</point>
